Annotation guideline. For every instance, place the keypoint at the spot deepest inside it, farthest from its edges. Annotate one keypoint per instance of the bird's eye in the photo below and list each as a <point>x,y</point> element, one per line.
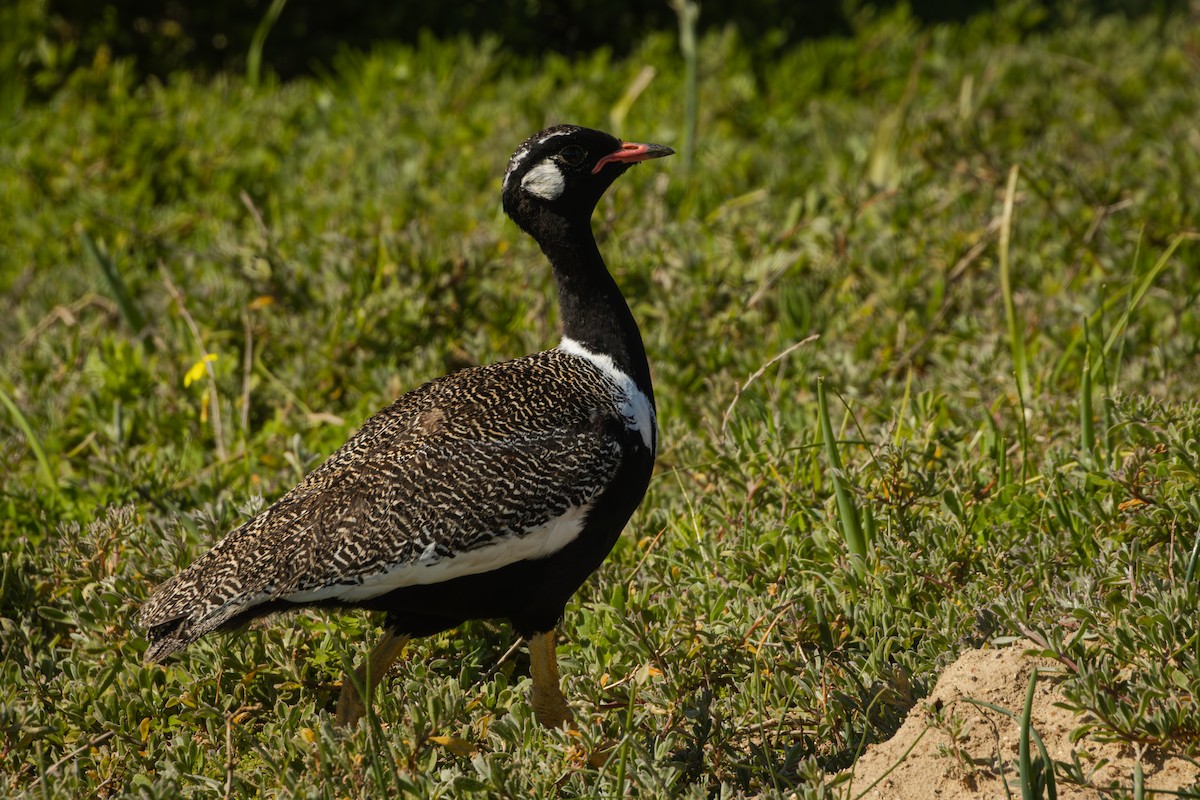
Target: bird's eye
<point>573,154</point>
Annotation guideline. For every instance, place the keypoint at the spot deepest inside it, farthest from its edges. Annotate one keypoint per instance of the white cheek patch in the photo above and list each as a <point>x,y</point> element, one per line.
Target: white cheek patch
<point>526,147</point>
<point>545,181</point>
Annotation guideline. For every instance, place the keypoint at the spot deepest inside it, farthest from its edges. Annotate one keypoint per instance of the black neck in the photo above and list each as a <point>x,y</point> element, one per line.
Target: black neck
<point>594,313</point>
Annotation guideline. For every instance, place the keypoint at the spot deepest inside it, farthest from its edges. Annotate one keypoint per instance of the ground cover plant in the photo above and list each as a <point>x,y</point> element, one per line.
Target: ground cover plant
<point>989,230</point>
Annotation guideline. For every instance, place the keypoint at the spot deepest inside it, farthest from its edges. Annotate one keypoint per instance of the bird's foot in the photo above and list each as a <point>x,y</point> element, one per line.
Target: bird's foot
<point>550,708</point>
<point>351,706</point>
<point>598,758</point>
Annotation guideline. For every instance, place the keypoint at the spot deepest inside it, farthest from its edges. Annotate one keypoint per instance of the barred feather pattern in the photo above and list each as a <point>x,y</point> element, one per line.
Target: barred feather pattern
<point>465,461</point>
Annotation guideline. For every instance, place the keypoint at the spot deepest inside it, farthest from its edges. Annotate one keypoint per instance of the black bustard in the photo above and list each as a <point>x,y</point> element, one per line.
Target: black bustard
<point>490,493</point>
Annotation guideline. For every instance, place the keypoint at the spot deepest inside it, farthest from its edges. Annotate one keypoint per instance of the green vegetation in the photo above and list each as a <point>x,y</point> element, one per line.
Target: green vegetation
<point>208,285</point>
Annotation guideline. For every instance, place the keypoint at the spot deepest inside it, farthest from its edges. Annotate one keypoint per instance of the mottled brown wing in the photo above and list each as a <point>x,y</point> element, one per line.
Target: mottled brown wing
<point>458,469</point>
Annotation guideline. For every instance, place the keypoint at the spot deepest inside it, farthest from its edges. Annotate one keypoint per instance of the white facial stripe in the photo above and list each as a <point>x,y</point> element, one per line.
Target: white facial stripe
<point>545,181</point>
<point>634,404</point>
<point>552,134</point>
<point>429,567</point>
<point>523,151</point>
<point>515,162</point>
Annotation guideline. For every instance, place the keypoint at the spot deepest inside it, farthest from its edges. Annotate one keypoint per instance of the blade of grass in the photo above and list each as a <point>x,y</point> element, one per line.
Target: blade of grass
<point>623,759</point>
<point>1107,304</point>
<point>632,92</point>
<point>1024,429</point>
<point>847,511</point>
<point>116,283</point>
<point>1027,729</point>
<point>999,451</point>
<point>31,438</point>
<point>1024,762</point>
<point>1087,430</point>
<point>1106,404</point>
<point>254,56</point>
<point>1190,572</point>
<point>890,769</point>
<point>688,12</point>
<point>1136,294</point>
<point>758,373</point>
<point>897,438</point>
<point>883,160</point>
<point>1016,341</point>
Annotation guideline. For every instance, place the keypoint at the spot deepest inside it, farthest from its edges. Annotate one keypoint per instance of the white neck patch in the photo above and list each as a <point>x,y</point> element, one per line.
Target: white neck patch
<point>545,181</point>
<point>634,404</point>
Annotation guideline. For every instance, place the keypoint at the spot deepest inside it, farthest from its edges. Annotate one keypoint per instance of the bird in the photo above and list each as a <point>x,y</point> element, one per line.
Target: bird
<point>492,492</point>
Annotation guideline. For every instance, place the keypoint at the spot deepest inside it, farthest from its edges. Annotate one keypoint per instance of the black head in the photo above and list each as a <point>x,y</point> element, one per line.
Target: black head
<point>563,171</point>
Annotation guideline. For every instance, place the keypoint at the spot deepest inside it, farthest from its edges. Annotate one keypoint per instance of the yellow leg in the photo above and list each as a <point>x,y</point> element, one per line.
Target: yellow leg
<point>351,706</point>
<point>549,706</point>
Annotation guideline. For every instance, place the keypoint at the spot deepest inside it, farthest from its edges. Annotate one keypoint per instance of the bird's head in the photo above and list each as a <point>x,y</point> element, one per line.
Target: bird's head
<point>563,171</point>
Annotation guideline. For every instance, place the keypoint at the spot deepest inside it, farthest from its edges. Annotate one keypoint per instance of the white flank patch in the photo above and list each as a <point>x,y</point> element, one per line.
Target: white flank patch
<point>545,181</point>
<point>537,542</point>
<point>635,406</point>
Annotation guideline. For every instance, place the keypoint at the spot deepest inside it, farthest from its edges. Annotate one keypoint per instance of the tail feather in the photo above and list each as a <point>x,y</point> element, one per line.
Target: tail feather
<point>167,638</point>
<point>183,609</point>
<point>241,577</point>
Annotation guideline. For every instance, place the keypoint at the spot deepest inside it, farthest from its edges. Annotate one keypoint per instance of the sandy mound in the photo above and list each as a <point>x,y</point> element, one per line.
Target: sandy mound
<point>939,768</point>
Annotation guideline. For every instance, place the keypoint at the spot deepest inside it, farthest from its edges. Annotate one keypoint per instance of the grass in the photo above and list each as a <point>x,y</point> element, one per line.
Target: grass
<point>1035,777</point>
<point>207,287</point>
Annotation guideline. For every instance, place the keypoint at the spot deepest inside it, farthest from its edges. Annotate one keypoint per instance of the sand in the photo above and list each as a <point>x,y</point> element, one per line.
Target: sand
<point>939,768</point>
